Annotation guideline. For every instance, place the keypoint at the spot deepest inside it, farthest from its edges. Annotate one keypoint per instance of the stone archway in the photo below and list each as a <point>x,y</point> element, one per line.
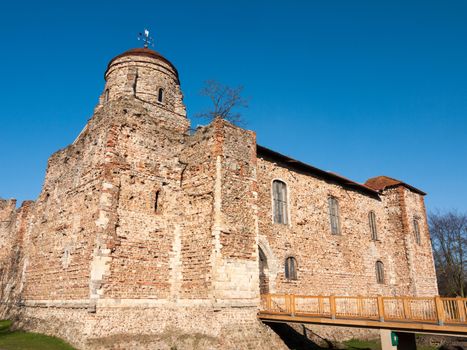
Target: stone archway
<point>263,272</point>
<point>268,266</point>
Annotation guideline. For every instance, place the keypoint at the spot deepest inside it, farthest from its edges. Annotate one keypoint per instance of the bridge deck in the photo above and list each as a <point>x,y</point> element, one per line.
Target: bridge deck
<point>412,314</point>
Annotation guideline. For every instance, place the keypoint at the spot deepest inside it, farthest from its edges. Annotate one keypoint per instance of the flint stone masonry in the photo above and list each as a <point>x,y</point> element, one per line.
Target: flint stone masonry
<point>147,235</point>
<point>343,264</point>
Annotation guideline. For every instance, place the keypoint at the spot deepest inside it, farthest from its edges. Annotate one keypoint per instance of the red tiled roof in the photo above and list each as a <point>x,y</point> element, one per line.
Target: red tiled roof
<point>372,186</point>
<point>142,51</point>
<point>265,152</point>
<point>380,183</point>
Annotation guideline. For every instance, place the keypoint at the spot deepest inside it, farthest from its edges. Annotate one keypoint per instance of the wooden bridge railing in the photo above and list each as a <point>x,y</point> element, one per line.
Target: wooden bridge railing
<point>414,309</point>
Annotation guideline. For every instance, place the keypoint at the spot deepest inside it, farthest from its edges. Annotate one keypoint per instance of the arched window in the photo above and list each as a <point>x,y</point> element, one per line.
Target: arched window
<point>379,272</point>
<point>334,216</point>
<point>160,95</point>
<point>279,195</point>
<point>416,230</point>
<point>106,96</point>
<point>291,268</point>
<point>372,222</point>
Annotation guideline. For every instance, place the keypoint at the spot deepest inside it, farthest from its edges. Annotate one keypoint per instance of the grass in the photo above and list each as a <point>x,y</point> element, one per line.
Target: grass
<point>5,325</point>
<point>16,340</point>
<point>375,345</point>
<point>362,344</point>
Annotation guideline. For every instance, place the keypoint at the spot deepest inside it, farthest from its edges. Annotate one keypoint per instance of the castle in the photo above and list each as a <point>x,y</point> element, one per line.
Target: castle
<point>148,235</point>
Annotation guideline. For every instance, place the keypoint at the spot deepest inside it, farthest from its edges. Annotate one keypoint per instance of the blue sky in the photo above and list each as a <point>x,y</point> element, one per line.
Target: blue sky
<point>361,88</point>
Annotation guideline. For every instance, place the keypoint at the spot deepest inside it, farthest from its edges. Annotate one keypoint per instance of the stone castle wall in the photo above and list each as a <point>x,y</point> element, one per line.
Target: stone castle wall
<point>419,255</point>
<point>101,244</point>
<point>13,225</point>
<point>342,264</point>
<point>194,248</point>
<point>164,328</point>
<point>8,236</point>
<point>143,202</point>
<point>148,235</point>
<point>62,236</point>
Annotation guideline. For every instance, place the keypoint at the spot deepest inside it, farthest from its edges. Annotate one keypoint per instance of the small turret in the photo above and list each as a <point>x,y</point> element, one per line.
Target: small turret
<point>146,75</point>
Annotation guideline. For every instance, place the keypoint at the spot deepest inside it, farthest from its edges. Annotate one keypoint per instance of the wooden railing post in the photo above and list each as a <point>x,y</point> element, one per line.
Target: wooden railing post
<point>461,308</point>
<point>360,306</point>
<point>286,303</point>
<point>405,304</point>
<point>320,305</point>
<point>380,308</point>
<point>332,305</point>
<point>439,310</point>
<point>292,304</point>
<point>268,302</point>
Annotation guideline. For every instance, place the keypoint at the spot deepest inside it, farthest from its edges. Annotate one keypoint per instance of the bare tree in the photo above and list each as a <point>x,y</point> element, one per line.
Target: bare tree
<point>225,100</point>
<point>449,238</point>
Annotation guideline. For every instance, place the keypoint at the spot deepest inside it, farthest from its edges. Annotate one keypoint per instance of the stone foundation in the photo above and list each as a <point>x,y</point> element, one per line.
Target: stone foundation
<point>153,328</point>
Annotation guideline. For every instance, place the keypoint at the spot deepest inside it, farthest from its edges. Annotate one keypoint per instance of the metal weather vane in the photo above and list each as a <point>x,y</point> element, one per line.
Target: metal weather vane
<point>148,40</point>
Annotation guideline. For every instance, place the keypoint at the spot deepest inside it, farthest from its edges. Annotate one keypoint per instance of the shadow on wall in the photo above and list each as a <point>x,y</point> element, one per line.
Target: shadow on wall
<point>299,340</point>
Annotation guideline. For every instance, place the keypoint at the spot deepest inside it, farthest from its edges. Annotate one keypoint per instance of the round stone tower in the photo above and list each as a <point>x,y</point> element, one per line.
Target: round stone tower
<point>146,75</point>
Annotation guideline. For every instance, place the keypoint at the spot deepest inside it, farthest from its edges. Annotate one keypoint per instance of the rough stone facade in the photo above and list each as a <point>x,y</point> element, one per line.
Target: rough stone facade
<point>342,264</point>
<point>149,235</point>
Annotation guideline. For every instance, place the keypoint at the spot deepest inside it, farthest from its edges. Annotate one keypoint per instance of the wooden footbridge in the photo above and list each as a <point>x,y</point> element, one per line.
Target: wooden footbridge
<point>404,314</point>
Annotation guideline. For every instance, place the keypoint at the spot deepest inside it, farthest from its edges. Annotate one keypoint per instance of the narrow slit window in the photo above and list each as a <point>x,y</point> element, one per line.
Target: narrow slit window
<point>291,268</point>
<point>334,216</point>
<point>379,272</point>
<point>106,96</point>
<point>160,95</point>
<point>372,222</point>
<point>416,228</point>
<point>279,194</point>
<point>156,202</point>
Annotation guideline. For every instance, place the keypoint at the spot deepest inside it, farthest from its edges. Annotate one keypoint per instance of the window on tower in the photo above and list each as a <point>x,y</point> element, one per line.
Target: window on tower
<point>106,96</point>
<point>157,208</point>
<point>160,95</point>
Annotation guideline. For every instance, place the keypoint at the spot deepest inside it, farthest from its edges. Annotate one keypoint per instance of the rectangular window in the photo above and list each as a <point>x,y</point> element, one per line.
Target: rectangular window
<point>279,194</point>
<point>372,221</point>
<point>334,216</point>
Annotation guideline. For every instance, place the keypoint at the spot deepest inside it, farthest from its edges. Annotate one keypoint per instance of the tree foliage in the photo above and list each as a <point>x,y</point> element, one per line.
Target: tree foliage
<point>225,101</point>
<point>449,237</point>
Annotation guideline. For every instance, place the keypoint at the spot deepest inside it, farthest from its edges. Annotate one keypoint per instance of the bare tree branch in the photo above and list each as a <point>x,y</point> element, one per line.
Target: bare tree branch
<point>449,238</point>
<point>224,99</point>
